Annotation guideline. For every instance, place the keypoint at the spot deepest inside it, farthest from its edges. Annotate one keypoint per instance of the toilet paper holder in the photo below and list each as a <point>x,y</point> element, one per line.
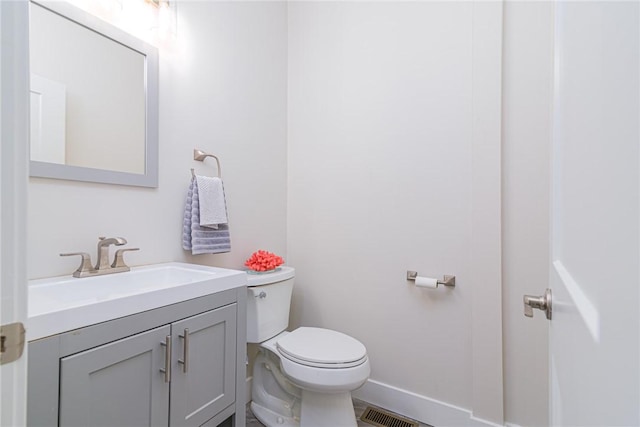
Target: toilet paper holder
<point>447,280</point>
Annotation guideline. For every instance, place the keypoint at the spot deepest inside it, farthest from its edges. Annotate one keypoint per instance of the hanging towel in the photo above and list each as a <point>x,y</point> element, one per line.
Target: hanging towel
<point>201,240</point>
<point>213,208</point>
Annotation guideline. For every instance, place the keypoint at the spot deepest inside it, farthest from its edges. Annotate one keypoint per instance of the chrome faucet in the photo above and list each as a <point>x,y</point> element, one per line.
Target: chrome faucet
<point>103,266</point>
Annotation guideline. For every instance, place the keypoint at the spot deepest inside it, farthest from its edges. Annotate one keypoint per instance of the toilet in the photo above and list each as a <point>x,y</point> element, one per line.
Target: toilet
<point>303,377</point>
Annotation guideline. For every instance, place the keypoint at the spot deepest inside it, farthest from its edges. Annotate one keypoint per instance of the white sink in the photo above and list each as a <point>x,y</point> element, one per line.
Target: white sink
<point>61,304</point>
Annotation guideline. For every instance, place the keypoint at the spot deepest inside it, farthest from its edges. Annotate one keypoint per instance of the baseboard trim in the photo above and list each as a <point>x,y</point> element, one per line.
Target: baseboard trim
<point>418,407</point>
<point>412,405</point>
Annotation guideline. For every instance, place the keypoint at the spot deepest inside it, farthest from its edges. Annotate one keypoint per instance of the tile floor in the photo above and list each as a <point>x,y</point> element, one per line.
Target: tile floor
<point>358,405</point>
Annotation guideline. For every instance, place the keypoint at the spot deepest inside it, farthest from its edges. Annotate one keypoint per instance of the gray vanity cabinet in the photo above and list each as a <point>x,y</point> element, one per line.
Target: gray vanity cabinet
<point>115,373</point>
<point>116,384</point>
<point>203,379</point>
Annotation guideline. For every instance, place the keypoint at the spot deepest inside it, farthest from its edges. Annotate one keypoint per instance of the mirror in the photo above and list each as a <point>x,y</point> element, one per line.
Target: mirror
<point>94,99</point>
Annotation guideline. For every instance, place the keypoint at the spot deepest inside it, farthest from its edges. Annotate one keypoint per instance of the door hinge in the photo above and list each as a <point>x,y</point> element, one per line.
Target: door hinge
<point>11,342</point>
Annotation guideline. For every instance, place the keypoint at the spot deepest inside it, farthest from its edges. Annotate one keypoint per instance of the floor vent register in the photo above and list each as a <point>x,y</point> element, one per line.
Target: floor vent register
<point>381,418</point>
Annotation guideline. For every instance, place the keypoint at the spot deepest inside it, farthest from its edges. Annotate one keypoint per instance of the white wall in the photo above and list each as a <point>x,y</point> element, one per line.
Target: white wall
<point>381,181</point>
<point>223,92</point>
<point>527,98</point>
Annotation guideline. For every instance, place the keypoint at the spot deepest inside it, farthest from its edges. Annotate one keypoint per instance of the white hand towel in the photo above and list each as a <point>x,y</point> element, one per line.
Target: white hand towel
<point>213,207</point>
<point>197,239</point>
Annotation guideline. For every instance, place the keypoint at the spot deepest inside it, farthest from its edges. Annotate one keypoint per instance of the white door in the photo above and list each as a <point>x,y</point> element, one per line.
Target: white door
<point>14,116</point>
<point>48,106</point>
<point>594,332</point>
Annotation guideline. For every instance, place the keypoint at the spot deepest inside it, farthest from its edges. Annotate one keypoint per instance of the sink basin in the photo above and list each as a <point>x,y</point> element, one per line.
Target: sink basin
<point>65,303</point>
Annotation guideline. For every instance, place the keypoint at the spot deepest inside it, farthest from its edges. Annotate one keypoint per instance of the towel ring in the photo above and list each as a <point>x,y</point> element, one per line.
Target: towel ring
<point>200,155</point>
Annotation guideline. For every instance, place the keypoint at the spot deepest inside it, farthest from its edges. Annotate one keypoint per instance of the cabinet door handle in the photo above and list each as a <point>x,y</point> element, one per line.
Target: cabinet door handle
<point>185,351</point>
<point>167,359</point>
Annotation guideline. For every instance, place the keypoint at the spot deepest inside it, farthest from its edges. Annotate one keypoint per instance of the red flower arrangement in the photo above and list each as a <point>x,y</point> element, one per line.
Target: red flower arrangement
<point>263,261</point>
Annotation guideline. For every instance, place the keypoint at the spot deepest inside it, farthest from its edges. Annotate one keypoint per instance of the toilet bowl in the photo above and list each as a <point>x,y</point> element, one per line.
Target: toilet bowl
<point>303,377</point>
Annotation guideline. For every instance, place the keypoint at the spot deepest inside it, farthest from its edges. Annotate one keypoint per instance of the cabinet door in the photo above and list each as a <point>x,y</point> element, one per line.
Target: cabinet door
<point>117,384</point>
<point>205,385</point>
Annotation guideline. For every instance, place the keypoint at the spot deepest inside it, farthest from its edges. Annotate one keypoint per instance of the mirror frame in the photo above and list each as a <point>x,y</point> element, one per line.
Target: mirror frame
<point>78,173</point>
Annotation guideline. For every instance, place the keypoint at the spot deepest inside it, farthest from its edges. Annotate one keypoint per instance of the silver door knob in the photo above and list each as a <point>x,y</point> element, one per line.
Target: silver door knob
<point>541,303</point>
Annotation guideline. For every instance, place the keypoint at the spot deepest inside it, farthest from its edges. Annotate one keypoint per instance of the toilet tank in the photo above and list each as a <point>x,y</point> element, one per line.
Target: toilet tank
<point>268,303</point>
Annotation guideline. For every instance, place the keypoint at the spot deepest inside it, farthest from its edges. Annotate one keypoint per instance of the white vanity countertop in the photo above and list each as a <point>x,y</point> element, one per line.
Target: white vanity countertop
<point>61,304</point>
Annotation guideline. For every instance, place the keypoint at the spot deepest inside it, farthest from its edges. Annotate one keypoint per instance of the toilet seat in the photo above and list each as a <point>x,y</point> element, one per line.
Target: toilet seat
<point>322,348</point>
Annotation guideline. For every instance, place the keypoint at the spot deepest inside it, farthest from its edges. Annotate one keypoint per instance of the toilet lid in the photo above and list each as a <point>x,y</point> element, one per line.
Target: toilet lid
<point>322,348</point>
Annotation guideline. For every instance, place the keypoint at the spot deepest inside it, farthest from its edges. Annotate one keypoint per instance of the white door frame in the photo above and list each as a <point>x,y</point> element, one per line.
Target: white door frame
<point>14,143</point>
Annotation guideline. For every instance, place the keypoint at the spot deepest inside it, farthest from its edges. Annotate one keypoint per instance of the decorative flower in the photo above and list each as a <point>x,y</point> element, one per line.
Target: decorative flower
<point>263,261</point>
